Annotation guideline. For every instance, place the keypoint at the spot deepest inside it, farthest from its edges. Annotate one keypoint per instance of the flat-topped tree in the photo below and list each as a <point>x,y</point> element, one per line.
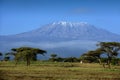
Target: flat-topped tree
<point>94,54</point>
<point>27,53</point>
<point>111,49</point>
<point>53,57</point>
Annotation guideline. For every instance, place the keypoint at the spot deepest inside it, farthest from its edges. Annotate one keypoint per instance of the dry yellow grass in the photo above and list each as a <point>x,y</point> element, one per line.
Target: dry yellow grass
<point>57,71</point>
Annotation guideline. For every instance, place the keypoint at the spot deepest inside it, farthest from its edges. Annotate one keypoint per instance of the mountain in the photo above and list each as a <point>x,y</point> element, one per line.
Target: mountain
<point>64,38</point>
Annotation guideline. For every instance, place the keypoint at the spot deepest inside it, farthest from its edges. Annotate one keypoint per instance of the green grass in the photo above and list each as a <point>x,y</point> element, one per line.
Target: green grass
<point>57,71</point>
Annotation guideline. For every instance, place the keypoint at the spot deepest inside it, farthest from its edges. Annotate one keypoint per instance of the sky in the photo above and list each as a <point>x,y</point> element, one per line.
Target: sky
<point>17,16</point>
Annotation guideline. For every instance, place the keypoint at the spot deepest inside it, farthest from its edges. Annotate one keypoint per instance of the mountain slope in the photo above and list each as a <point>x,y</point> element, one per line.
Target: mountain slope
<point>70,31</point>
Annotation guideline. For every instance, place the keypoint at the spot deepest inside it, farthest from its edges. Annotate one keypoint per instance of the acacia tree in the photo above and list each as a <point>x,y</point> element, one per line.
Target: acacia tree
<point>26,53</point>
<point>111,49</point>
<point>53,57</point>
<point>94,54</point>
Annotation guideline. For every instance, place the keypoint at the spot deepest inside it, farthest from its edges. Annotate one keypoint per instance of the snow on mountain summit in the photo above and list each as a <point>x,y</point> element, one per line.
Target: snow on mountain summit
<point>71,24</point>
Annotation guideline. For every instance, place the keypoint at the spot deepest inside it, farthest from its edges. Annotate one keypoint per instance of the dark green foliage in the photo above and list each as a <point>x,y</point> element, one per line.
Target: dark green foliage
<point>53,57</point>
<point>89,59</point>
<point>7,57</point>
<point>71,59</point>
<point>59,59</point>
<point>93,56</point>
<point>115,61</point>
<point>111,49</point>
<point>26,53</point>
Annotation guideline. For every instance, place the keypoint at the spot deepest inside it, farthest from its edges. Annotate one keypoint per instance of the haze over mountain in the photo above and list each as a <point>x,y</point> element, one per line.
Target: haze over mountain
<point>63,38</point>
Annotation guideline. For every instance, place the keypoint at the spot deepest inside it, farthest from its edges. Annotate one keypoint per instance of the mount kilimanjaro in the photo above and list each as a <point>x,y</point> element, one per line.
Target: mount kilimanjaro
<point>62,38</point>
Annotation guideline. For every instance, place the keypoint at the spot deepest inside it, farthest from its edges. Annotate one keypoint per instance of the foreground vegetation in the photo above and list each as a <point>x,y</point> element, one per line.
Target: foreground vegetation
<point>57,68</point>
<point>57,71</point>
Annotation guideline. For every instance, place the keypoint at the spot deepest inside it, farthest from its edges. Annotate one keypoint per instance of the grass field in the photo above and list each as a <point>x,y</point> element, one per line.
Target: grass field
<point>57,71</point>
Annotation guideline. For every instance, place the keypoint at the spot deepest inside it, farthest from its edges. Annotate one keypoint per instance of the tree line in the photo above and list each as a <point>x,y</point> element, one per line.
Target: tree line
<point>106,53</point>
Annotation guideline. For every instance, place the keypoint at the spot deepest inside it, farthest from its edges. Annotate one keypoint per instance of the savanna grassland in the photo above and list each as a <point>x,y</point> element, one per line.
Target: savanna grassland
<point>57,71</point>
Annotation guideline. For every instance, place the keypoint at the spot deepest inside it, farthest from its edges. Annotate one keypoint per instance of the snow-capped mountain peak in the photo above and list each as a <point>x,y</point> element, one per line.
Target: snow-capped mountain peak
<point>65,38</point>
<point>63,23</point>
<point>63,30</point>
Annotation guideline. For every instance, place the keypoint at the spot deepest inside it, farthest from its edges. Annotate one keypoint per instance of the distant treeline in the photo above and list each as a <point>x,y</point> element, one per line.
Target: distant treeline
<point>110,50</point>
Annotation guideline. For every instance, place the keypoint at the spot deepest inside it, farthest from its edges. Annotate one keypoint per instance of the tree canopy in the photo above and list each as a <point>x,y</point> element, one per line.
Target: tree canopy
<point>94,54</point>
<point>26,53</point>
<point>111,49</point>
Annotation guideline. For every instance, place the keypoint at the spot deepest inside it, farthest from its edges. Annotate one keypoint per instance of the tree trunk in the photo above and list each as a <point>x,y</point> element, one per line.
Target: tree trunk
<point>109,64</point>
<point>28,61</point>
<point>103,65</point>
<point>99,61</point>
<point>109,61</point>
<point>16,63</point>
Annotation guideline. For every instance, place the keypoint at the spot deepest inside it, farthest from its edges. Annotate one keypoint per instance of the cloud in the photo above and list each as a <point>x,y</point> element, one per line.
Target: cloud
<point>64,49</point>
<point>52,45</point>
